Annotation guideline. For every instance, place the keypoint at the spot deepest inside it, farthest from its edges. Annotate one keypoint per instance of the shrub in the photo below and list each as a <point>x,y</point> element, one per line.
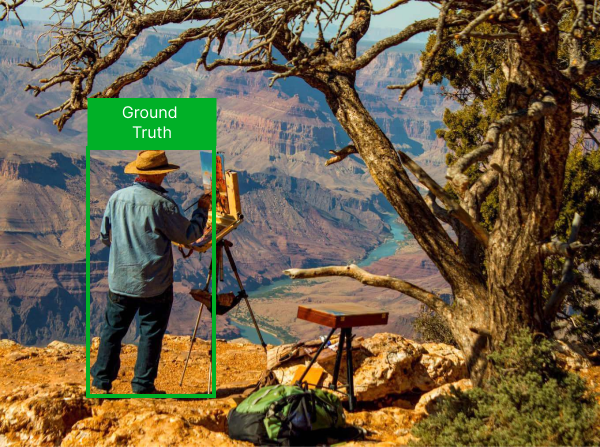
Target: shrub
<point>431,327</point>
<point>529,400</point>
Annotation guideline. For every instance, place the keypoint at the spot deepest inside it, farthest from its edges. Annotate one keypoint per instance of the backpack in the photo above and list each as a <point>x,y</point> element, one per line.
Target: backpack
<point>288,415</point>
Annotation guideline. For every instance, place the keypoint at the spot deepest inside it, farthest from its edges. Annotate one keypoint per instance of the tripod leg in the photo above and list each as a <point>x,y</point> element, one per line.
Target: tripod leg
<point>208,277</point>
<point>338,360</point>
<point>219,262</point>
<point>244,294</point>
<point>191,344</point>
<point>234,267</point>
<point>350,368</point>
<point>314,359</point>
<point>262,342</point>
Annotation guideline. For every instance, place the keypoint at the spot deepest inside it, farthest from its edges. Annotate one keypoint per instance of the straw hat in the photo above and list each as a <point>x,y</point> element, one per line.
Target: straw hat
<point>150,163</point>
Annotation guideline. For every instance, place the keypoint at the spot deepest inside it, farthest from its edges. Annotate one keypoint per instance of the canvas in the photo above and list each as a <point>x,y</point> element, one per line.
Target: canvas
<point>228,210</point>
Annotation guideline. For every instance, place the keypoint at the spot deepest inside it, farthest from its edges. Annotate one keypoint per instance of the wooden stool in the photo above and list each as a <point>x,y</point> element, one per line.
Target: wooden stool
<point>342,316</point>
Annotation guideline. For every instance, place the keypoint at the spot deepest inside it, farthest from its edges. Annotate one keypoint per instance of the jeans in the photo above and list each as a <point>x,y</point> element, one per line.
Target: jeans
<point>153,317</point>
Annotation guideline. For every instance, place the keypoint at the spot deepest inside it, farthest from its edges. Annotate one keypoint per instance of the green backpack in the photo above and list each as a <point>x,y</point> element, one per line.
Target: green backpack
<point>288,415</point>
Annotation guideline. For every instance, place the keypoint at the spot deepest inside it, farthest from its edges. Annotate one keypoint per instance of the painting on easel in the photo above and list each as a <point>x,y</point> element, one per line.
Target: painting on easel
<point>229,211</point>
<point>220,183</point>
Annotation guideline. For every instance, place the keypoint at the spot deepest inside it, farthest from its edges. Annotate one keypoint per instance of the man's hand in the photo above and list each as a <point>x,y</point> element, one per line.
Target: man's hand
<point>205,201</point>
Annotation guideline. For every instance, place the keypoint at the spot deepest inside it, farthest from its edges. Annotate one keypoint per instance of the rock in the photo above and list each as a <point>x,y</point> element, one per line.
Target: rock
<point>388,364</point>
<point>147,428</point>
<point>17,355</point>
<point>391,424</point>
<point>444,364</point>
<point>428,401</point>
<point>388,368</point>
<point>8,344</point>
<point>240,341</point>
<point>570,357</point>
<point>42,414</point>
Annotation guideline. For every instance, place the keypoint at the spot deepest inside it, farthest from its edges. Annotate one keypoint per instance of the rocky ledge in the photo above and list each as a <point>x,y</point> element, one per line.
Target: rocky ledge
<point>43,403</point>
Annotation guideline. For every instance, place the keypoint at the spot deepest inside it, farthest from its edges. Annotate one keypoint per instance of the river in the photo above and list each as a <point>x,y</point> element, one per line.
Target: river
<point>386,249</point>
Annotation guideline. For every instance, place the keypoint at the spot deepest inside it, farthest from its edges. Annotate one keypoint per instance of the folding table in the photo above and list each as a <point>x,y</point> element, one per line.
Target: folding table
<point>342,316</point>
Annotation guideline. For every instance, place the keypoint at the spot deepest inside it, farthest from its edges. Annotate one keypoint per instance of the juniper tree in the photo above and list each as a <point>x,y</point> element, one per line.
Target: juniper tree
<point>523,153</point>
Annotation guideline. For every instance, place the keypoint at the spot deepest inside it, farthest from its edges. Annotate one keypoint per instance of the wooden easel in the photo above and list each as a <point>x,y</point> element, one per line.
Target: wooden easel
<point>225,224</point>
<point>222,245</point>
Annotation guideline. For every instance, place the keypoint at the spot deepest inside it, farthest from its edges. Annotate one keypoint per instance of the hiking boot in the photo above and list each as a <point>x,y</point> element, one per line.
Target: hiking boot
<point>152,391</point>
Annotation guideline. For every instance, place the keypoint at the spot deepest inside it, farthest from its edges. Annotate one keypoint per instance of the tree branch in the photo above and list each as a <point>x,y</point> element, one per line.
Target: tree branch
<point>451,205</point>
<point>387,282</point>
<point>480,190</point>
<point>113,90</point>
<point>83,58</point>
<point>537,110</point>
<point>341,154</point>
<point>582,70</point>
<point>453,208</point>
<point>9,7</point>
<point>439,38</point>
<point>390,7</point>
<point>437,210</point>
<point>558,248</point>
<point>566,283</point>
<point>364,59</point>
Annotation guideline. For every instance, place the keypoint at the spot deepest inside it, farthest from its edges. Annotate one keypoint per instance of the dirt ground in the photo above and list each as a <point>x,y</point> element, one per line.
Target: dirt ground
<point>34,381</point>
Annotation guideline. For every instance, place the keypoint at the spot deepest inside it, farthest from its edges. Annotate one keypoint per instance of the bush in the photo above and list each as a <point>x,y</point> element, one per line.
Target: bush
<point>529,400</point>
<point>431,327</point>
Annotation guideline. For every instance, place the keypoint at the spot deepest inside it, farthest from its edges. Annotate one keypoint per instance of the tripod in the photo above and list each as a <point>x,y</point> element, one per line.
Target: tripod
<point>222,245</point>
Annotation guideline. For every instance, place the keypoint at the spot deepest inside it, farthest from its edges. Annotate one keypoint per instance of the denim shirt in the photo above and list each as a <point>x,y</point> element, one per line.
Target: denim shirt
<point>139,224</point>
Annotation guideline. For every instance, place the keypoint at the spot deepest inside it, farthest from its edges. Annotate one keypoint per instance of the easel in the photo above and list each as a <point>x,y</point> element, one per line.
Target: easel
<point>222,245</point>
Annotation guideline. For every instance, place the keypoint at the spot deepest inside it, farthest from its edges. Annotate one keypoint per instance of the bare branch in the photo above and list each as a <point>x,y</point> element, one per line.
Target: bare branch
<point>558,248</point>
<point>113,90</point>
<point>451,205</point>
<point>388,282</point>
<point>566,283</point>
<point>410,31</point>
<point>496,36</point>
<point>8,7</point>
<point>341,154</point>
<point>81,51</point>
<point>390,7</point>
<point>480,190</point>
<point>437,210</point>
<point>482,17</point>
<point>582,70</point>
<point>439,38</point>
<point>537,110</point>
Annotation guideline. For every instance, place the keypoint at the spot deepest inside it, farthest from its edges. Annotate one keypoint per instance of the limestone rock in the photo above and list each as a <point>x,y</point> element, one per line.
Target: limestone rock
<point>428,401</point>
<point>42,414</point>
<point>444,364</point>
<point>388,364</point>
<point>147,428</point>
<point>391,424</point>
<point>388,367</point>
<point>570,357</point>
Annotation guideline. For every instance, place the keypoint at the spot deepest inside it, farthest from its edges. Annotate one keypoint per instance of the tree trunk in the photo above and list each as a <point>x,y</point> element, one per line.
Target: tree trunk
<point>533,157</point>
<point>469,315</point>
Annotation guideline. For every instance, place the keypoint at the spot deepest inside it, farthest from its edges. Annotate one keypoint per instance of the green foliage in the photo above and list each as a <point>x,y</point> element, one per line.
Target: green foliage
<point>529,400</point>
<point>431,327</point>
<point>581,195</point>
<point>473,71</point>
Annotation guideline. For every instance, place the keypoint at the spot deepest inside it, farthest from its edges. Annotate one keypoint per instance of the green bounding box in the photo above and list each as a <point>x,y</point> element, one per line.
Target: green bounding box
<point>119,124</point>
<point>152,123</point>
